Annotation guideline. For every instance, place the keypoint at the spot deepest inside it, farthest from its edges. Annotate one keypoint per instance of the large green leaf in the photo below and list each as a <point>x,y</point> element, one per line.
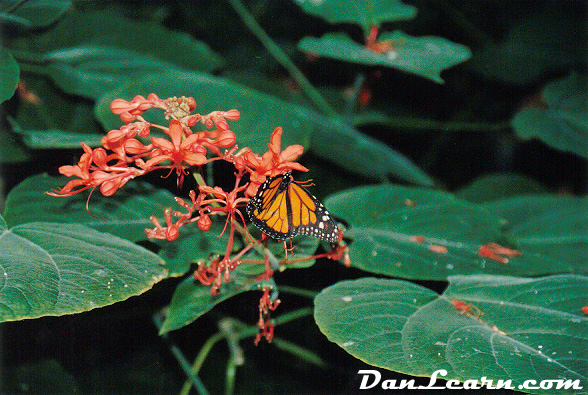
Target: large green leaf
<point>57,139</point>
<point>361,154</point>
<point>260,114</point>
<point>551,230</point>
<point>10,73</point>
<point>563,124</point>
<point>37,13</point>
<point>192,299</point>
<point>126,214</point>
<point>531,329</point>
<point>52,111</point>
<point>12,150</point>
<point>91,71</point>
<point>111,30</point>
<point>425,234</point>
<point>56,269</point>
<point>423,56</point>
<point>499,185</point>
<point>363,12</point>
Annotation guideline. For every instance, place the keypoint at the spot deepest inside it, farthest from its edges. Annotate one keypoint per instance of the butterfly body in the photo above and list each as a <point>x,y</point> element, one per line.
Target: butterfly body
<point>282,209</point>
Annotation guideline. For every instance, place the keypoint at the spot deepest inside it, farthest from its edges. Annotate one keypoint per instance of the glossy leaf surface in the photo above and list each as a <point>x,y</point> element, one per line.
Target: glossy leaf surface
<point>362,12</point>
<point>56,269</point>
<point>563,124</point>
<point>423,56</point>
<point>404,327</point>
<point>425,234</point>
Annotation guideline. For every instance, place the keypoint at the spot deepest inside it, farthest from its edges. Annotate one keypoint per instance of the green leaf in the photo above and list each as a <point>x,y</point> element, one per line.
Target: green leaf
<point>260,115</point>
<point>422,56</point>
<point>56,269</point>
<point>425,234</point>
<point>530,329</point>
<point>386,221</point>
<point>10,74</point>
<point>126,214</point>
<point>38,13</point>
<point>563,124</point>
<point>347,147</point>
<point>91,71</point>
<point>57,139</point>
<point>362,12</point>
<point>191,300</point>
<point>551,230</point>
<point>111,30</point>
<point>499,185</point>
<point>54,110</point>
<point>10,19</point>
<point>12,150</point>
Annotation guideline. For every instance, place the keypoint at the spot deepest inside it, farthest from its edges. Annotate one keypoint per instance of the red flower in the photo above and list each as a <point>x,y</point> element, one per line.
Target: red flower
<point>130,111</point>
<point>273,162</point>
<point>93,170</point>
<point>180,151</point>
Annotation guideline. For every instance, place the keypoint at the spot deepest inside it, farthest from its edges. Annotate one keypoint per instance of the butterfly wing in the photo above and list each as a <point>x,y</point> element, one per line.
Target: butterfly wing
<point>269,210</point>
<point>309,216</point>
<point>282,209</point>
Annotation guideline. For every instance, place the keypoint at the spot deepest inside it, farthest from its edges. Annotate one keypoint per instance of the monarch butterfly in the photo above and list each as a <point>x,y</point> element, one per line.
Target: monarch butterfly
<point>282,209</point>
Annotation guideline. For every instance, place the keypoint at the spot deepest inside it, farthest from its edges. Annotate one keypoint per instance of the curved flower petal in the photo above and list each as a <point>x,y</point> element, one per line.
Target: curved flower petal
<point>291,152</point>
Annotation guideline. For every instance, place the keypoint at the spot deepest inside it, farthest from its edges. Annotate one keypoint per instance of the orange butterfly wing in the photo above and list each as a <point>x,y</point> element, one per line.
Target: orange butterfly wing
<point>282,209</point>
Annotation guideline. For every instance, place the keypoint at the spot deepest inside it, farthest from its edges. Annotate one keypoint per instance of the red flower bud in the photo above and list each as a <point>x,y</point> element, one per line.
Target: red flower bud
<point>204,222</point>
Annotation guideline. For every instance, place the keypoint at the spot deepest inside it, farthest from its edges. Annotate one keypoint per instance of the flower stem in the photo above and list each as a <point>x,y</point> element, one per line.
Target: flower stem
<point>283,59</point>
<point>200,358</point>
<point>351,102</point>
<point>298,291</point>
<point>192,375</point>
<point>245,331</point>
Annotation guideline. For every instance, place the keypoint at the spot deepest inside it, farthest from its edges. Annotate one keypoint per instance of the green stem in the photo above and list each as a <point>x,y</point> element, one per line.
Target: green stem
<point>250,331</point>
<point>283,59</point>
<point>230,377</point>
<point>200,358</point>
<point>184,364</point>
<point>300,352</point>
<point>298,291</point>
<point>416,124</point>
<point>351,102</point>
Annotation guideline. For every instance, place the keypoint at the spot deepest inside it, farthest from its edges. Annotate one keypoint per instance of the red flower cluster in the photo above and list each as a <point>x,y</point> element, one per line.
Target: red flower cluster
<point>133,151</point>
<point>129,157</point>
